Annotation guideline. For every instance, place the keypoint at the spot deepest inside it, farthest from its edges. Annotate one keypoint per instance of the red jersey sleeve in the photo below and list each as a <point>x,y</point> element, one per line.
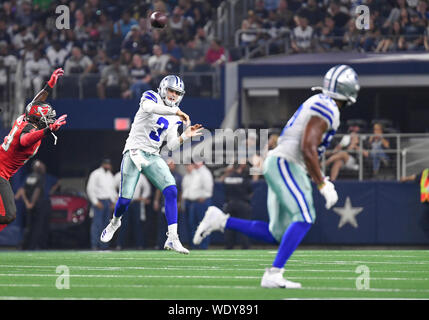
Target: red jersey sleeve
<point>30,135</point>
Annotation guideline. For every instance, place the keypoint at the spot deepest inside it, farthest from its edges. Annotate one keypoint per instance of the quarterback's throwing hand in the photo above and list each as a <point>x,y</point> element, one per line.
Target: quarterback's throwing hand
<point>58,123</point>
<point>327,189</point>
<point>184,117</point>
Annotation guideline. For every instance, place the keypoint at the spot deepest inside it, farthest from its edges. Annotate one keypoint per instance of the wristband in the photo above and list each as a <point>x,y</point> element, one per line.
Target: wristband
<point>321,185</point>
<point>184,137</point>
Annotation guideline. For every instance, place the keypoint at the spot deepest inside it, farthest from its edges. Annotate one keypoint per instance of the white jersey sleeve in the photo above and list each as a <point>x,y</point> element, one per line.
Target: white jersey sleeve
<point>151,102</point>
<point>173,139</point>
<point>289,143</point>
<point>324,107</point>
<point>151,123</point>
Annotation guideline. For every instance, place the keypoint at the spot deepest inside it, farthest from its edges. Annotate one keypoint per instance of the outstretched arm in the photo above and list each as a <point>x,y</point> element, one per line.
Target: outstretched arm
<point>30,136</point>
<point>43,94</point>
<point>174,142</point>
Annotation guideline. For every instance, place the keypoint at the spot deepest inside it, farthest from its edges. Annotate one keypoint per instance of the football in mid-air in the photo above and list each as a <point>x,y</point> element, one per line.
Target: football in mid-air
<point>158,19</point>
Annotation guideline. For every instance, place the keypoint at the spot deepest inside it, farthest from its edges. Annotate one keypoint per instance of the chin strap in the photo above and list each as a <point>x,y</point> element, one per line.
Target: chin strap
<point>316,88</point>
<point>45,120</point>
<point>55,138</point>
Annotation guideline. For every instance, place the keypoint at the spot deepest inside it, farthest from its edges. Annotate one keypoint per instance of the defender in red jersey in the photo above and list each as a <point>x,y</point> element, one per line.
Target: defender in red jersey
<point>22,143</point>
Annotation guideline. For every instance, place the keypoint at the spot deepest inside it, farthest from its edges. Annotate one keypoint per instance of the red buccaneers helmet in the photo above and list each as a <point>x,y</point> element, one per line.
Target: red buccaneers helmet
<point>40,113</point>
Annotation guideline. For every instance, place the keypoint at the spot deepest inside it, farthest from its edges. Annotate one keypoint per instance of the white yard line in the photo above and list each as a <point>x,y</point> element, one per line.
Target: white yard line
<point>57,298</point>
<point>393,262</point>
<point>304,288</point>
<point>361,262</point>
<point>202,277</point>
<point>205,268</point>
<point>328,254</point>
<point>124,276</point>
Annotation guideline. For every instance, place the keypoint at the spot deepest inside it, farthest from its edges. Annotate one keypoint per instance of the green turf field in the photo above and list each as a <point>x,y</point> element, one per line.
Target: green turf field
<point>212,274</point>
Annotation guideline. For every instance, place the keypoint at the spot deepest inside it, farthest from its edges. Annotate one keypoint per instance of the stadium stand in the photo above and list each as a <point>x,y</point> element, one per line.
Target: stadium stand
<point>265,27</point>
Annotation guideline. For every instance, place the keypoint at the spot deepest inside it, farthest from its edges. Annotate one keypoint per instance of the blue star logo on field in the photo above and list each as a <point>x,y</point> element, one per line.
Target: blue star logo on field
<point>348,213</point>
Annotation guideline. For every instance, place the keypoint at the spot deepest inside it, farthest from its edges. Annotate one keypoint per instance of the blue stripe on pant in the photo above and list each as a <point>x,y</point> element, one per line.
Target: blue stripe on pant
<point>294,189</point>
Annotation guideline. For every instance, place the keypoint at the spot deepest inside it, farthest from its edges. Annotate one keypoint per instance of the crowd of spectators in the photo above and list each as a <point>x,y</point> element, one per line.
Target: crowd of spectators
<point>330,25</point>
<point>111,41</point>
<point>363,145</point>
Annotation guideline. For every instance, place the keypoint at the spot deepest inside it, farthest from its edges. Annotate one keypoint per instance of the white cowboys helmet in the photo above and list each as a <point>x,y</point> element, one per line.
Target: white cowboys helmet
<point>174,83</point>
<point>341,83</point>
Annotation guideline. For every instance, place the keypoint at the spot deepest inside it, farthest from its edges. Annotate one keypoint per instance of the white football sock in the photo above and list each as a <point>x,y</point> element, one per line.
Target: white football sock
<point>172,229</point>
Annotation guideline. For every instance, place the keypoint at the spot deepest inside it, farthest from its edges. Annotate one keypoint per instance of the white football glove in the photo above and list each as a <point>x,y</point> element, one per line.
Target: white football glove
<point>329,193</point>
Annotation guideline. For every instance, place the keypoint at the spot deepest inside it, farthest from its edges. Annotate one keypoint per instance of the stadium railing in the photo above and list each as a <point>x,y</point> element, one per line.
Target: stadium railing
<point>6,89</point>
<point>229,16</point>
<point>12,100</point>
<point>408,154</point>
<point>83,86</point>
<point>277,43</point>
<point>281,43</point>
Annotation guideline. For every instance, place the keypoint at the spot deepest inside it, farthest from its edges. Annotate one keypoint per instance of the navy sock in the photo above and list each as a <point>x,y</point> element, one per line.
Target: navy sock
<point>121,206</point>
<point>170,195</point>
<point>290,241</point>
<point>255,229</point>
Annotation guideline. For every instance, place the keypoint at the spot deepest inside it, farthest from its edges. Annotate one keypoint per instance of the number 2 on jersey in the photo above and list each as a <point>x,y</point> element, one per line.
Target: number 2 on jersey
<point>156,135</point>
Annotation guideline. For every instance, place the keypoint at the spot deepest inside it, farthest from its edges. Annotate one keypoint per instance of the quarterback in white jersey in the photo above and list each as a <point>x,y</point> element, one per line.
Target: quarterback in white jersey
<point>153,122</point>
<point>290,201</point>
<point>157,119</point>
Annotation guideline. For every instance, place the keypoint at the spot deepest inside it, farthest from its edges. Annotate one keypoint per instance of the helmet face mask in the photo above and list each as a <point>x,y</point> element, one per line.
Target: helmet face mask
<point>174,83</point>
<point>341,83</point>
<point>40,114</point>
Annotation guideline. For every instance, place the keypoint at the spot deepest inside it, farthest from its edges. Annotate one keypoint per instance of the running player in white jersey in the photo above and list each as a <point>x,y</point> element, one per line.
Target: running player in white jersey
<point>290,202</point>
<point>157,119</point>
